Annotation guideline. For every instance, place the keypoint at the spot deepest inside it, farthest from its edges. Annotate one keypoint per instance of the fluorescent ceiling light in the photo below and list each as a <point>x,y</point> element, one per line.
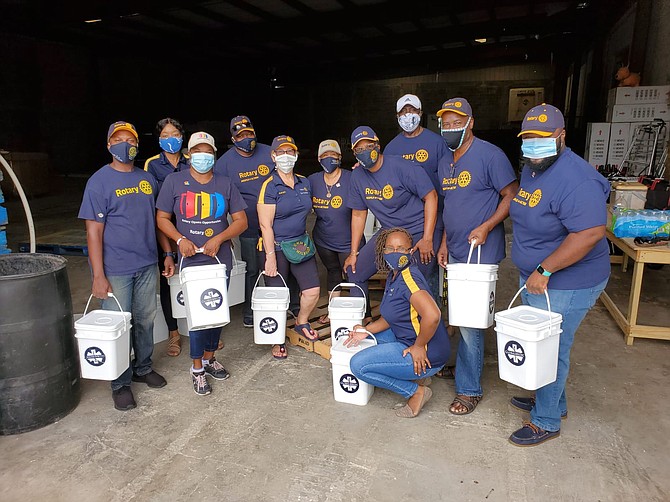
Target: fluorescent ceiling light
<point>93,21</point>
<point>480,40</point>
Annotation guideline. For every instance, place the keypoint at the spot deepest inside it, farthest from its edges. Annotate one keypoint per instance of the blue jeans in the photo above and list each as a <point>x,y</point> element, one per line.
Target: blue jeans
<point>203,340</point>
<point>136,294</point>
<point>249,254</point>
<point>573,305</point>
<point>384,366</point>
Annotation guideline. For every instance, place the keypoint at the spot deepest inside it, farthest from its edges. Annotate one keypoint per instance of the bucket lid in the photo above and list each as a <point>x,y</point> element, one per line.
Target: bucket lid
<point>339,354</point>
<point>103,320</point>
<point>528,318</point>
<point>347,303</point>
<point>265,294</point>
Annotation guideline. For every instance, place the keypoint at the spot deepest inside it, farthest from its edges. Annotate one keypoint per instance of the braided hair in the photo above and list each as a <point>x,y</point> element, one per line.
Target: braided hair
<point>382,266</point>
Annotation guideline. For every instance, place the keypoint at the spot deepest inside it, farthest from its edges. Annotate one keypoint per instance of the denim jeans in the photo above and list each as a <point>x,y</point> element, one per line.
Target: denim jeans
<point>384,366</point>
<point>136,294</point>
<point>573,305</point>
<point>249,254</point>
<point>203,340</point>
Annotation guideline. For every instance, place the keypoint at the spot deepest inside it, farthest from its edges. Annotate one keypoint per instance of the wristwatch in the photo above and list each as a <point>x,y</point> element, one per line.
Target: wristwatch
<point>170,253</point>
<point>542,271</point>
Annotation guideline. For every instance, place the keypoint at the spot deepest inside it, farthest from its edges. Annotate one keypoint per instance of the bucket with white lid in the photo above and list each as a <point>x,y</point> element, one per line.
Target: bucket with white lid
<point>103,339</point>
<point>471,292</point>
<point>528,340</point>
<point>177,297</point>
<point>345,312</point>
<point>237,286</point>
<point>346,387</point>
<point>205,290</point>
<point>269,305</point>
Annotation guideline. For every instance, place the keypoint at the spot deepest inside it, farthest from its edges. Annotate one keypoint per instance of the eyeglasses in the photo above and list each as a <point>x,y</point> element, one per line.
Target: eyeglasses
<point>401,249</point>
<point>241,125</point>
<point>368,147</point>
<point>289,151</point>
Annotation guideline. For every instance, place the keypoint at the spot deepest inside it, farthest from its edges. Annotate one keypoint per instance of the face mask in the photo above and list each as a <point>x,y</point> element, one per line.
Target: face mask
<point>409,122</point>
<point>170,145</point>
<point>202,162</point>
<point>246,145</point>
<point>329,164</point>
<point>539,148</point>
<point>454,137</point>
<point>368,158</point>
<point>286,162</point>
<point>397,261</point>
<point>123,152</point>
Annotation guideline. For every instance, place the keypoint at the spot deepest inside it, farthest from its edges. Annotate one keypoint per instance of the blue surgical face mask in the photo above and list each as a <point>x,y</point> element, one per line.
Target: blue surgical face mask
<point>123,152</point>
<point>397,260</point>
<point>246,145</point>
<point>202,162</point>
<point>329,164</point>
<point>170,145</point>
<point>539,148</point>
<point>409,121</point>
<point>368,158</point>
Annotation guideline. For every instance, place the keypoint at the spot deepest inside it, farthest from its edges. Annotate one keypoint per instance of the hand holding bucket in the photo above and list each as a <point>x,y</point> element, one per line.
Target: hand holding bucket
<point>110,295</point>
<point>356,335</point>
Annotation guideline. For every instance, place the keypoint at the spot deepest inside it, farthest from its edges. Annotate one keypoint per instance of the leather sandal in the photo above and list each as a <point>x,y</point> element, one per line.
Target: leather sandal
<point>174,346</point>
<point>467,402</point>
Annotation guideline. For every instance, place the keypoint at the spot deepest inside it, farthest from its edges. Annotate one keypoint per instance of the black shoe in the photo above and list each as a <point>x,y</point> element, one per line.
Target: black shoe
<point>527,403</point>
<point>216,370</point>
<point>248,322</point>
<point>152,379</point>
<point>123,399</point>
<point>531,435</point>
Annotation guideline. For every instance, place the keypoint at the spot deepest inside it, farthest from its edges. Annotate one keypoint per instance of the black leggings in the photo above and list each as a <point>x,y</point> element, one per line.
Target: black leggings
<point>166,302</point>
<point>334,263</point>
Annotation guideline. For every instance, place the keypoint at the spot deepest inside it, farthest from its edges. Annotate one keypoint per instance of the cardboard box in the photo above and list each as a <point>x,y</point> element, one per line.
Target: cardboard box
<point>597,143</point>
<point>629,195</point>
<point>619,141</point>
<point>648,94</point>
<point>638,113</point>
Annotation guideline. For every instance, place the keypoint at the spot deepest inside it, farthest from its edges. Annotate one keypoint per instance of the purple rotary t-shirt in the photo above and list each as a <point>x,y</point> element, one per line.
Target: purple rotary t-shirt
<point>471,189</point>
<point>332,229</point>
<point>394,193</point>
<point>201,210</point>
<point>569,197</point>
<point>124,203</point>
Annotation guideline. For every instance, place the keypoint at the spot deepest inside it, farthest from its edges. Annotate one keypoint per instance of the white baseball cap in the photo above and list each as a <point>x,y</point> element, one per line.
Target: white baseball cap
<point>329,145</point>
<point>408,99</point>
<point>198,138</point>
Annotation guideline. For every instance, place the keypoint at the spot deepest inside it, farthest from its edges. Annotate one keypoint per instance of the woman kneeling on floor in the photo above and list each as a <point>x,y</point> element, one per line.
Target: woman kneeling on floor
<point>412,339</point>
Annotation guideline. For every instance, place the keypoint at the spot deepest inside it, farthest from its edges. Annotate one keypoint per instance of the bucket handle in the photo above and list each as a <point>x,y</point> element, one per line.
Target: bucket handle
<point>198,250</point>
<point>370,334</point>
<point>479,252</point>
<point>110,295</point>
<point>346,285</point>
<point>546,295</point>
<point>263,273</point>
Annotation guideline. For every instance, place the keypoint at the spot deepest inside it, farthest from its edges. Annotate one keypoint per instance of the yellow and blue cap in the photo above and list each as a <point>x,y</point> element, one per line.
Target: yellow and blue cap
<point>121,125</point>
<point>283,140</point>
<point>456,105</point>
<point>542,119</point>
<point>363,132</point>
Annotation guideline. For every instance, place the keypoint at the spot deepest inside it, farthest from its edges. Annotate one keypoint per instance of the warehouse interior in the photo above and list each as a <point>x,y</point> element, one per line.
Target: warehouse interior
<point>316,69</point>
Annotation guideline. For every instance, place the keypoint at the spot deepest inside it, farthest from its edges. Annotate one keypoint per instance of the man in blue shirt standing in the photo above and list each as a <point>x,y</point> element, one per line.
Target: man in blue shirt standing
<point>120,213</point>
<point>478,184</point>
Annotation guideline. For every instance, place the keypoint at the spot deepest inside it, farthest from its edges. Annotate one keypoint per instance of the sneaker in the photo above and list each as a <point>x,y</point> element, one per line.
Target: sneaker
<point>527,403</point>
<point>531,435</point>
<point>216,370</point>
<point>200,384</point>
<point>123,399</point>
<point>248,322</point>
<point>152,379</point>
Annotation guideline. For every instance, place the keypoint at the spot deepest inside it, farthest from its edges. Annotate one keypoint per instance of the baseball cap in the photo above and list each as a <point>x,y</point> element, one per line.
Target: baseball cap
<point>329,145</point>
<point>239,124</point>
<point>456,105</point>
<point>363,132</point>
<point>408,99</point>
<point>121,126</point>
<point>542,119</point>
<point>283,140</point>
<point>198,138</point>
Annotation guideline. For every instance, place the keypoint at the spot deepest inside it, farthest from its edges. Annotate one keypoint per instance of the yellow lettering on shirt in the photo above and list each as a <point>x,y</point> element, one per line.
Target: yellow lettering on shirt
<point>249,176</point>
<point>120,192</point>
<point>373,194</point>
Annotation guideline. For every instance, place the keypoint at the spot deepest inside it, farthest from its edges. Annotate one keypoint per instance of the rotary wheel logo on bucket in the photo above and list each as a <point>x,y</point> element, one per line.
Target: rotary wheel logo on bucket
<point>211,299</point>
<point>341,332</point>
<point>349,383</point>
<point>492,302</point>
<point>94,356</point>
<point>180,298</point>
<point>515,353</point>
<point>268,325</point>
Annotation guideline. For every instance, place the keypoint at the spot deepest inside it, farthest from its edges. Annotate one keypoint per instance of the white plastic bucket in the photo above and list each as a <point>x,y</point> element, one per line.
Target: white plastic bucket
<point>177,297</point>
<point>346,387</point>
<point>528,340</point>
<point>205,295</point>
<point>236,289</point>
<point>269,305</point>
<point>471,292</point>
<point>345,312</point>
<point>103,338</point>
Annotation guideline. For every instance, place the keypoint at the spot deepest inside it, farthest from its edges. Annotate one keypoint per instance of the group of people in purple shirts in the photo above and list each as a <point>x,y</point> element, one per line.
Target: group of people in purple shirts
<point>433,196</point>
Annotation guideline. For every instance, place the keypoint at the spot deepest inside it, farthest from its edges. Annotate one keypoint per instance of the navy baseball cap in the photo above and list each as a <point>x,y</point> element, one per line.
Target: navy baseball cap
<point>363,132</point>
<point>283,140</point>
<point>121,126</point>
<point>542,119</point>
<point>239,124</point>
<point>456,105</point>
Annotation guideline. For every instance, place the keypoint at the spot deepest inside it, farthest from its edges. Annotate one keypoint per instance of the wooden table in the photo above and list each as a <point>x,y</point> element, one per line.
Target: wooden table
<point>640,256</point>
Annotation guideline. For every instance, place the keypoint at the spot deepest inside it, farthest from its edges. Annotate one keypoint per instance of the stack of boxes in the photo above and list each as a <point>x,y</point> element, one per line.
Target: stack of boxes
<point>3,221</point>
<point>627,108</point>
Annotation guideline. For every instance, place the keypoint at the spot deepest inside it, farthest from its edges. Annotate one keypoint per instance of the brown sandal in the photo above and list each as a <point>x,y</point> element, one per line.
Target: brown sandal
<point>407,412</point>
<point>447,372</point>
<point>467,402</point>
<point>221,344</point>
<point>174,346</point>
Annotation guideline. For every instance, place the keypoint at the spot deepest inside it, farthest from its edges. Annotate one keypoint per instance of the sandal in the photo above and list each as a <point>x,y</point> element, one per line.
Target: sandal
<point>324,319</point>
<point>467,402</point>
<point>174,346</point>
<point>447,372</point>
<point>406,411</point>
<point>311,334</point>
<point>282,351</point>
<point>220,345</point>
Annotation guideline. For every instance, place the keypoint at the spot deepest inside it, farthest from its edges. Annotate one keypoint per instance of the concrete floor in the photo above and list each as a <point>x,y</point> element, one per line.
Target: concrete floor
<point>273,431</point>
